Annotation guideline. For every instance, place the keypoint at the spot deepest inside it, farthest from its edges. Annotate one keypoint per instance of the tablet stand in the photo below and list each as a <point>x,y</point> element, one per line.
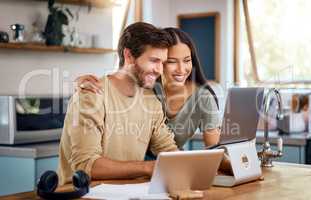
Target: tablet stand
<point>244,162</point>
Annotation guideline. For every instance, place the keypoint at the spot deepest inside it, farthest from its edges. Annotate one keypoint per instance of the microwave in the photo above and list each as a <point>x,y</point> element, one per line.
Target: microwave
<point>31,119</point>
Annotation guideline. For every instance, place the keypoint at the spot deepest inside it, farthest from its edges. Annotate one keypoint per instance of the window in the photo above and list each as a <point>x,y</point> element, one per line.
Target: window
<point>118,16</point>
<point>282,42</point>
<point>124,13</point>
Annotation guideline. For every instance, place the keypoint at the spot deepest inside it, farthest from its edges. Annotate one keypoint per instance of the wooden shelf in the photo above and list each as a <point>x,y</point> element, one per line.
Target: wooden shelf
<point>95,3</point>
<point>41,47</point>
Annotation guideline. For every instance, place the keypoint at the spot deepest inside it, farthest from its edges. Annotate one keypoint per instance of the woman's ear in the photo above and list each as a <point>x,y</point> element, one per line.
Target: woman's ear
<point>128,57</point>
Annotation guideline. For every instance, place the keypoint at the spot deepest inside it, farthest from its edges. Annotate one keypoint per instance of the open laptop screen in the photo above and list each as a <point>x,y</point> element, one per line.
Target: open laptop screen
<point>241,115</point>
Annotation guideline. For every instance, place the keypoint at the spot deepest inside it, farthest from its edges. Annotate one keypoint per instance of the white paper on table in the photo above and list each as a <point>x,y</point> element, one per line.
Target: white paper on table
<point>126,191</point>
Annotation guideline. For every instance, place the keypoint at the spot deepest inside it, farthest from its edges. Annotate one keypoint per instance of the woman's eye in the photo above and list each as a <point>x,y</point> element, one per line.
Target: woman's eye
<point>187,61</point>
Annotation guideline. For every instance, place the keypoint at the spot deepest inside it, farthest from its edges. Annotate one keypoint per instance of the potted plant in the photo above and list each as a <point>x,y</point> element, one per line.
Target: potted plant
<point>57,18</point>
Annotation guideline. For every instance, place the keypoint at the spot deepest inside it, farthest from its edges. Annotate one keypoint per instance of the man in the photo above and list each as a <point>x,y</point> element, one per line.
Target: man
<point>108,134</point>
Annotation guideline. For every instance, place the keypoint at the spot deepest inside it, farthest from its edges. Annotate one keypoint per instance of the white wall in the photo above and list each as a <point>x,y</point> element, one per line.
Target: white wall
<point>50,72</point>
<point>164,13</point>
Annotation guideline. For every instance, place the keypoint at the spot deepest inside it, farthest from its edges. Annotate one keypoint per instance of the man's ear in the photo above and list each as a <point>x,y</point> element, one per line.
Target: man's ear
<point>128,57</point>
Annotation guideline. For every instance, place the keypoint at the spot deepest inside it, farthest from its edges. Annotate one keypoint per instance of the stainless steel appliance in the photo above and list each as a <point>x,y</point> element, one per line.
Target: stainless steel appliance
<point>31,119</point>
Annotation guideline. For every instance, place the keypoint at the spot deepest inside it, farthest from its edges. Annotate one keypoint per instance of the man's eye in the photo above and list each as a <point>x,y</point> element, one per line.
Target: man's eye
<point>170,61</point>
<point>155,60</point>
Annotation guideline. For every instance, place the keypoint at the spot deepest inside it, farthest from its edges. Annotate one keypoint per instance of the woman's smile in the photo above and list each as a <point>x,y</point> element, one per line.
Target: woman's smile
<point>179,78</point>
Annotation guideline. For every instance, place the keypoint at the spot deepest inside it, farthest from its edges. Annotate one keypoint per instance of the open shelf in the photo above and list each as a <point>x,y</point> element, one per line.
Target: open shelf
<point>41,47</point>
<point>95,3</point>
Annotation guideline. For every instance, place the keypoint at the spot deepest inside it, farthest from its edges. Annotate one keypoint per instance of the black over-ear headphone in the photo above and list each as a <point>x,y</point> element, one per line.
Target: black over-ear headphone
<point>49,180</point>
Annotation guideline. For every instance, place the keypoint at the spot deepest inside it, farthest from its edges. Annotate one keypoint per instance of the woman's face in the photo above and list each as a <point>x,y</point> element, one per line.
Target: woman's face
<point>178,66</point>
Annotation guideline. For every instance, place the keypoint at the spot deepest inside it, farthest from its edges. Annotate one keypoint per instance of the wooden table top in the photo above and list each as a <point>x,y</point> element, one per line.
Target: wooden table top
<point>280,182</point>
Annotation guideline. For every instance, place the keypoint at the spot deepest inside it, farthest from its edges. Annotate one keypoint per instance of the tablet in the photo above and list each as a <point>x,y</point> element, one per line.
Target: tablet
<point>185,170</point>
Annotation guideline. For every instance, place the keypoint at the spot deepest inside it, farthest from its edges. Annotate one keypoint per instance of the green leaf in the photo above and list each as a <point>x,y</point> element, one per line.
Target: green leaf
<point>62,17</point>
<point>69,12</point>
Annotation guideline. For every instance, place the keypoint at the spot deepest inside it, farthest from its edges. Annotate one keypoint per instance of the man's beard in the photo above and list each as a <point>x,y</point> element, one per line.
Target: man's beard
<point>139,76</point>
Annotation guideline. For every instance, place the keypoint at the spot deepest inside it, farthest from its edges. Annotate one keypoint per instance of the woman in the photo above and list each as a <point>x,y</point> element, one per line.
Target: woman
<point>188,101</point>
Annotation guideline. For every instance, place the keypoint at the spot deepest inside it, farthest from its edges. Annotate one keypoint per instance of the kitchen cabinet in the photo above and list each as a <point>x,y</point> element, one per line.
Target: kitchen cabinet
<point>296,146</point>
<point>22,166</point>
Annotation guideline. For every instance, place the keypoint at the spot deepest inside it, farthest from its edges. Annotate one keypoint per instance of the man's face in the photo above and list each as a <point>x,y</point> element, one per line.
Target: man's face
<point>149,66</point>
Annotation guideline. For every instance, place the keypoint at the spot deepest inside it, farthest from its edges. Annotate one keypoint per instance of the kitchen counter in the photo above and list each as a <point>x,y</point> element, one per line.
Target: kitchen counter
<point>39,150</point>
<point>297,146</point>
<point>48,149</point>
<point>297,139</point>
<point>284,181</point>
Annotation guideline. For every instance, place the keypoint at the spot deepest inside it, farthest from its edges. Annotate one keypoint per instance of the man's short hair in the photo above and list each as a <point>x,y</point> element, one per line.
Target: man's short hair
<point>139,35</point>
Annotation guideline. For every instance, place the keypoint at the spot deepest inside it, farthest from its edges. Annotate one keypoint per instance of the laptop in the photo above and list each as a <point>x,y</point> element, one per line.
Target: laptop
<point>241,115</point>
<point>188,169</point>
<point>185,170</point>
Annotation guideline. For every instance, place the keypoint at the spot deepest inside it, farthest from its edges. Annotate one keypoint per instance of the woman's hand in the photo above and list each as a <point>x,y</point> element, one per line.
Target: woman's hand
<point>211,137</point>
<point>88,83</point>
<point>225,166</point>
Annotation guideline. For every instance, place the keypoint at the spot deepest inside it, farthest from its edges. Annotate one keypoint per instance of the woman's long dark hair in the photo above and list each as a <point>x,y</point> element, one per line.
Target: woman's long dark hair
<point>197,74</point>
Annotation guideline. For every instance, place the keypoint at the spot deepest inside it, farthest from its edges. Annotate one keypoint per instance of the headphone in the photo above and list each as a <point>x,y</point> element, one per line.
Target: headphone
<point>48,182</point>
